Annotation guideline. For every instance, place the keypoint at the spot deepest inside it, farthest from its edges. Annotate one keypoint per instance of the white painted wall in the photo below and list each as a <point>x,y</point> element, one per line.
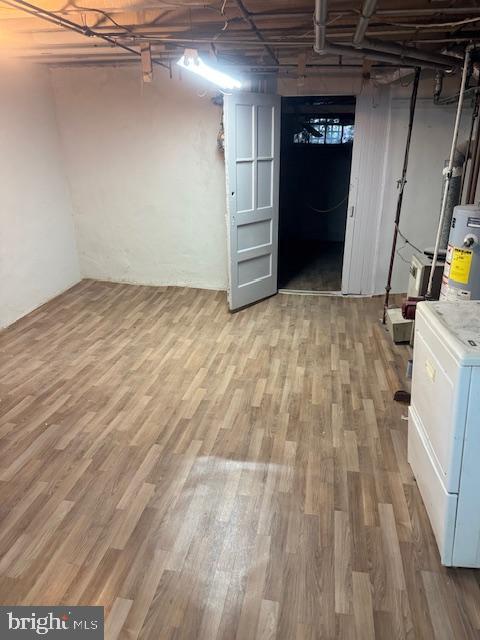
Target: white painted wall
<point>38,256</point>
<point>146,178</point>
<point>148,186</point>
<point>430,147</point>
<point>147,182</point>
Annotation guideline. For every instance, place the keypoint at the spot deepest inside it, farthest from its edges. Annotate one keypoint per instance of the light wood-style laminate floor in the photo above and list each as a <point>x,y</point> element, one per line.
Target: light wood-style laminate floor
<point>213,476</point>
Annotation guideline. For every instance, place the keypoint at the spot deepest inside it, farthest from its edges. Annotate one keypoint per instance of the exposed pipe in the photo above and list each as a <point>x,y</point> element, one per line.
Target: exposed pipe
<point>361,42</point>
<point>375,53</point>
<point>429,12</point>
<point>371,49</point>
<point>346,51</point>
<point>425,58</point>
<point>320,23</point>
<point>473,139</point>
<point>472,146</point>
<point>473,178</point>
<point>367,12</point>
<point>454,191</point>
<point>448,176</point>
<point>380,12</point>
<point>401,186</point>
<point>475,157</point>
<point>329,49</point>
<point>437,91</point>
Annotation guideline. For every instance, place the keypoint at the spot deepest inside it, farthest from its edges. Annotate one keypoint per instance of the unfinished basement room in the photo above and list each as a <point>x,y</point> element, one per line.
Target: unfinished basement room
<point>240,319</point>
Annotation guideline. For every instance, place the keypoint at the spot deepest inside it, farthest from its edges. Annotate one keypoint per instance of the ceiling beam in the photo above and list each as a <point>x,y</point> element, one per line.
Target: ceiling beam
<point>65,23</point>
<point>253,26</point>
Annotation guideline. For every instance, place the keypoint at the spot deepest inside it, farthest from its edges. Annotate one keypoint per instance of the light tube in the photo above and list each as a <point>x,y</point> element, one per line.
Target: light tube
<point>198,66</point>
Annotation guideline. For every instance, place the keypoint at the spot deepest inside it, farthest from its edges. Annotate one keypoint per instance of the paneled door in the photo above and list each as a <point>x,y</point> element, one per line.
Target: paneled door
<point>252,160</point>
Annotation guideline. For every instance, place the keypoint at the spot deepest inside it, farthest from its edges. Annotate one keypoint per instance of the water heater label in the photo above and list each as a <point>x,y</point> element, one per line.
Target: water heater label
<point>461,265</point>
<point>473,222</point>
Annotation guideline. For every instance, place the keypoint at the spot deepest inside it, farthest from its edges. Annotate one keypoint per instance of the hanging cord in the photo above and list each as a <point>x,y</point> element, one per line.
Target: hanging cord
<point>106,15</point>
<point>399,253</point>
<point>407,241</point>
<point>331,208</point>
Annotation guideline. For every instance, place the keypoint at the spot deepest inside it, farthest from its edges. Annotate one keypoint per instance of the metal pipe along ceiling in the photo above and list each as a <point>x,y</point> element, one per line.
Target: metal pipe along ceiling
<point>320,20</point>
<point>424,58</point>
<point>379,51</point>
<point>368,10</point>
<point>321,46</point>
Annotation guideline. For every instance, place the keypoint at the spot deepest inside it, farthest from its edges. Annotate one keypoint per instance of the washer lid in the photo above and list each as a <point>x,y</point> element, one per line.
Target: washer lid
<point>458,324</point>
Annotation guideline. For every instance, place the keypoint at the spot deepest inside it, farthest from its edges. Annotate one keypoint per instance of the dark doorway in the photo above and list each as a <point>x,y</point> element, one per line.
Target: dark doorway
<point>316,158</point>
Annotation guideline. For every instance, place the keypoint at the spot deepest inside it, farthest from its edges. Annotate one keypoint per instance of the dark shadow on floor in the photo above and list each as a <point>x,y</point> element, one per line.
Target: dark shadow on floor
<point>312,266</point>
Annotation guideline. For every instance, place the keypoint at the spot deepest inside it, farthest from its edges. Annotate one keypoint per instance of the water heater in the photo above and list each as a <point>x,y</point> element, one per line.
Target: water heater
<point>461,275</point>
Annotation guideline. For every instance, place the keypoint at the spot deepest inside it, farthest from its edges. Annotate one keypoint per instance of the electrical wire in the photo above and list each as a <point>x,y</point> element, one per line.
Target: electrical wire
<point>407,241</point>
<point>105,15</point>
<point>66,23</point>
<point>331,208</point>
<point>399,254</point>
<point>131,31</point>
<point>438,25</point>
<point>222,13</point>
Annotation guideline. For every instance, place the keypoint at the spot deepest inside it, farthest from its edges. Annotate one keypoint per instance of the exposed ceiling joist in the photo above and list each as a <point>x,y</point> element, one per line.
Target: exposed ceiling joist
<point>264,33</point>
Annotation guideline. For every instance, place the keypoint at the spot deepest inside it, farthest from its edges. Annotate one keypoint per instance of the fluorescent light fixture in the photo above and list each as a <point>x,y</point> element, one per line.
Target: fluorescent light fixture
<point>196,65</point>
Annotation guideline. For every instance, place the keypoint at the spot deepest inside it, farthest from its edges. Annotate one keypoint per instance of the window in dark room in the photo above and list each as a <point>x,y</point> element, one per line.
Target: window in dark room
<point>316,156</point>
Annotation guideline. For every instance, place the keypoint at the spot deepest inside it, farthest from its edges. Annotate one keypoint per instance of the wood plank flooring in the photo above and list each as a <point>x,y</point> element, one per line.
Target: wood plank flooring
<point>211,476</point>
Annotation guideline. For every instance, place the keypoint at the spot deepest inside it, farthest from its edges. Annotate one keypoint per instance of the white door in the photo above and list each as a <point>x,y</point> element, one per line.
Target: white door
<point>365,203</point>
<point>252,160</point>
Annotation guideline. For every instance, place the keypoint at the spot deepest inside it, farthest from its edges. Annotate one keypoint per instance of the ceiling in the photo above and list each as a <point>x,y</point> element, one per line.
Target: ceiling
<point>257,34</point>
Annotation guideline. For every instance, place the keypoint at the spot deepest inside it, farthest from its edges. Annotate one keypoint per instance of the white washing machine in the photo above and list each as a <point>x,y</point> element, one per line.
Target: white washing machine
<point>444,425</point>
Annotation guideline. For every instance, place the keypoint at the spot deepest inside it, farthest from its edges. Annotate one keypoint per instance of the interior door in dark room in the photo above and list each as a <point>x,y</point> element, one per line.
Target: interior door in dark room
<point>316,156</point>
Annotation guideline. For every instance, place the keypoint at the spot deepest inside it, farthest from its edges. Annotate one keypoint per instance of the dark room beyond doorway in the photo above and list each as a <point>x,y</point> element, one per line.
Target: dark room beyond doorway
<point>316,157</point>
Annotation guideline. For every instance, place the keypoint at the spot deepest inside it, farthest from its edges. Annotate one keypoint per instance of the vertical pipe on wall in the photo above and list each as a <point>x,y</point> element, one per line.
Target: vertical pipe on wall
<point>474,152</point>
<point>401,185</point>
<point>475,170</point>
<point>472,146</point>
<point>449,170</point>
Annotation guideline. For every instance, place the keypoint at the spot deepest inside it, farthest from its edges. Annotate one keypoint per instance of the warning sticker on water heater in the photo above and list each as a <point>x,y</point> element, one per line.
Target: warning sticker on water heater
<point>460,265</point>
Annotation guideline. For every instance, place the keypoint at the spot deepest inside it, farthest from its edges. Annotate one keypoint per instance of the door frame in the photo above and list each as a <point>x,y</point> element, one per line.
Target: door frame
<point>372,127</point>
